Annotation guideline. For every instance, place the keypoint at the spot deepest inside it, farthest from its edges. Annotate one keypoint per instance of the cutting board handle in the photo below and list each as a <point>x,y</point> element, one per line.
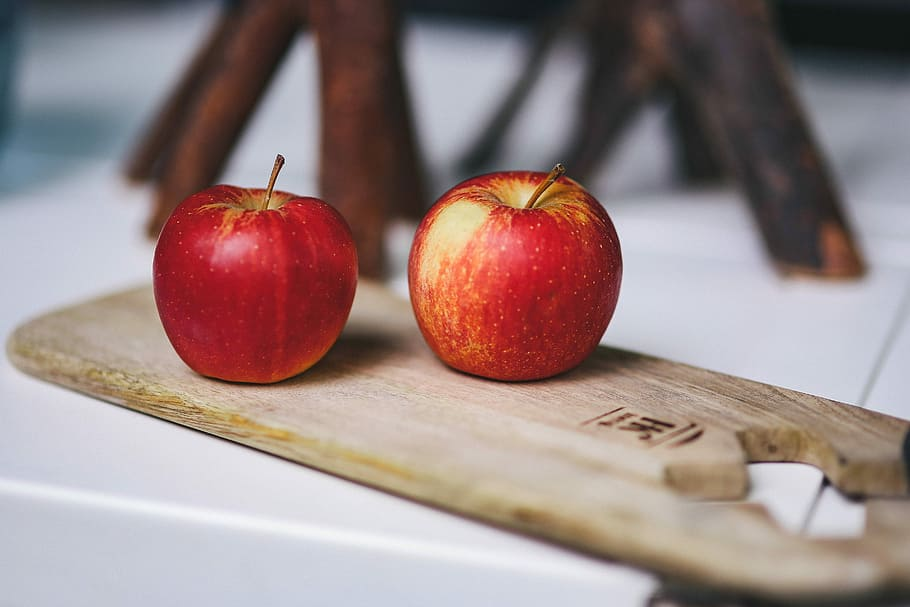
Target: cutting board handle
<point>732,421</point>
<point>863,453</point>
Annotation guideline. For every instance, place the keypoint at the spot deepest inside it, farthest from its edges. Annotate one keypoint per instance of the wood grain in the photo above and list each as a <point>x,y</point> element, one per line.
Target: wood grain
<point>606,458</point>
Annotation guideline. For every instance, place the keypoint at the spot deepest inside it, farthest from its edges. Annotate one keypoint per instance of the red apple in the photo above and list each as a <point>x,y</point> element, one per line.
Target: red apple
<point>515,275</point>
<point>254,285</point>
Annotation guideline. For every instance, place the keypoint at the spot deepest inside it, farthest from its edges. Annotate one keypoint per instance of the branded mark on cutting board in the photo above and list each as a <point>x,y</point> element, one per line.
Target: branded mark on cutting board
<point>651,431</point>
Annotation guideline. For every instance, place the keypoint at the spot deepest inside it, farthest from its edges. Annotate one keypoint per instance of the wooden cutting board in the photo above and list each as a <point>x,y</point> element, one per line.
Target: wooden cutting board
<point>615,458</point>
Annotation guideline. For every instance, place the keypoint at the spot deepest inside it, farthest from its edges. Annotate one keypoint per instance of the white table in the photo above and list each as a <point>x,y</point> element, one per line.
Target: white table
<point>103,506</point>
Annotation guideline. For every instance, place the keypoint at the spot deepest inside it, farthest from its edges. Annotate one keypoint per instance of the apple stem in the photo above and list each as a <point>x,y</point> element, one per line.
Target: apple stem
<point>555,174</point>
<point>276,168</point>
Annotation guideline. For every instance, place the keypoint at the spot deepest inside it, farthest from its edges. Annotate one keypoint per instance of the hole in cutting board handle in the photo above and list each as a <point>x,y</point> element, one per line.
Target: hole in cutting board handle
<point>865,464</point>
<point>787,491</point>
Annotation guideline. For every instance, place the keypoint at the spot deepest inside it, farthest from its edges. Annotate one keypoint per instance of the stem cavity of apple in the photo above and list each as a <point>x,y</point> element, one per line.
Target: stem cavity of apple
<point>552,176</point>
<point>276,168</point>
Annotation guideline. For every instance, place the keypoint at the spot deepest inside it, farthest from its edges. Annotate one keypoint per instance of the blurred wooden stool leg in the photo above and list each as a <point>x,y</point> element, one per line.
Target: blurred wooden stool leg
<point>696,158</point>
<point>368,162</point>
<point>225,103</point>
<point>145,160</point>
<point>725,56</point>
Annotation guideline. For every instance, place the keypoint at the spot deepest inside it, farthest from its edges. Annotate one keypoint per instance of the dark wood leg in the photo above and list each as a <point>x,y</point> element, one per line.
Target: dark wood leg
<point>156,141</point>
<point>696,157</point>
<point>725,55</point>
<point>368,157</point>
<point>225,102</point>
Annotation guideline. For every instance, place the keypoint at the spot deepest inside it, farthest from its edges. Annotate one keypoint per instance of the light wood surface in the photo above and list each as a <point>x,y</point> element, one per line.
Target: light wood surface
<point>616,458</point>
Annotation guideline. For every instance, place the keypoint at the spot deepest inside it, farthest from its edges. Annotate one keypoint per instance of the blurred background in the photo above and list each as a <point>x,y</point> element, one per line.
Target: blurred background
<point>74,114</point>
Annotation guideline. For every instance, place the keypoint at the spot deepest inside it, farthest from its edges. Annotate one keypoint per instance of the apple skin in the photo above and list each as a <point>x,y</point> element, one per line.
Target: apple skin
<point>251,295</point>
<point>510,293</point>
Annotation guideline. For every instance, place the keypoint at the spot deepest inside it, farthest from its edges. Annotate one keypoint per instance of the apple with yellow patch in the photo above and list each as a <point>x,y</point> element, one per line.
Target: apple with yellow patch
<point>515,275</point>
<point>254,285</point>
